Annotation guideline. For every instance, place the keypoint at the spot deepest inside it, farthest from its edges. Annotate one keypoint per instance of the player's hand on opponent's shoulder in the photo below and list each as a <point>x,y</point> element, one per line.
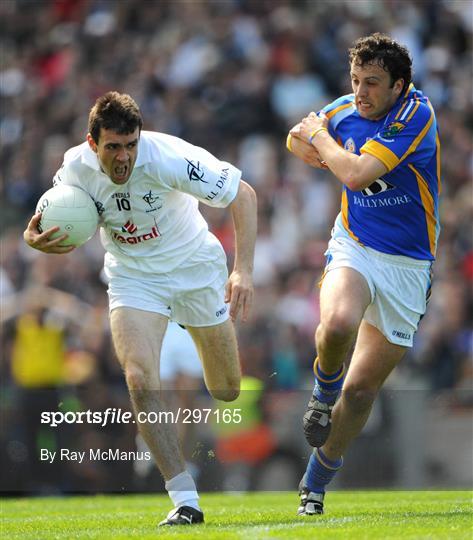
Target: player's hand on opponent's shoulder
<point>239,293</point>
<point>301,148</point>
<point>42,241</point>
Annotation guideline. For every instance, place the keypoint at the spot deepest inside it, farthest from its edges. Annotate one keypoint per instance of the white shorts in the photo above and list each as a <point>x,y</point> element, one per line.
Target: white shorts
<point>400,286</point>
<point>192,294</point>
<point>179,354</point>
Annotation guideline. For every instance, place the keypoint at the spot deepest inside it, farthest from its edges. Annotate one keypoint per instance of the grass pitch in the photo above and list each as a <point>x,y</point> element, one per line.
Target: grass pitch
<point>349,515</point>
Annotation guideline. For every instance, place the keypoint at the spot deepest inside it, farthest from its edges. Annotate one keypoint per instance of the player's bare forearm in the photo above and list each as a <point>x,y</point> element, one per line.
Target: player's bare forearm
<point>239,288</point>
<point>356,172</point>
<point>41,241</point>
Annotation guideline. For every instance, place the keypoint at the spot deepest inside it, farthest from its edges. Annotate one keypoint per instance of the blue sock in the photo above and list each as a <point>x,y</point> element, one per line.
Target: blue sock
<point>327,387</point>
<point>320,471</point>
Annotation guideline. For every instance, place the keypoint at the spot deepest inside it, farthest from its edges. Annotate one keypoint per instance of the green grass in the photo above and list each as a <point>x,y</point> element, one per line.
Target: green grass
<point>349,515</point>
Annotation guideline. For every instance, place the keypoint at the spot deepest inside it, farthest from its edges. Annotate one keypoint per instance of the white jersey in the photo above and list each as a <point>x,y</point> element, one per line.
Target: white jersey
<point>152,222</point>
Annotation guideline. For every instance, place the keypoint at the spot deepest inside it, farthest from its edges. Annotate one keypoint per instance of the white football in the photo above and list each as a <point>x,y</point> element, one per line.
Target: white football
<point>72,210</point>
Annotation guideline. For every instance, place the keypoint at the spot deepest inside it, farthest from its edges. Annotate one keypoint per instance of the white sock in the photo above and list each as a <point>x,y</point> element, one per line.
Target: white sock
<point>182,490</point>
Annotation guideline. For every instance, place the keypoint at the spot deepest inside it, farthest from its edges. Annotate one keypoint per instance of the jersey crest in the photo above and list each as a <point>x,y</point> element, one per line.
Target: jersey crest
<point>195,172</point>
<point>350,145</point>
<point>392,129</point>
<point>154,201</point>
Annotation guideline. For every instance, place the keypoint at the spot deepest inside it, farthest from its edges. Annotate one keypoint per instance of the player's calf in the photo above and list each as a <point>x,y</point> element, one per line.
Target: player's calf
<point>358,398</point>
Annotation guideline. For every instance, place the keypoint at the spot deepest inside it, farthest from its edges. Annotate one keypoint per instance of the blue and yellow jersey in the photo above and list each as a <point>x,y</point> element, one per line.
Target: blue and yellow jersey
<point>398,213</point>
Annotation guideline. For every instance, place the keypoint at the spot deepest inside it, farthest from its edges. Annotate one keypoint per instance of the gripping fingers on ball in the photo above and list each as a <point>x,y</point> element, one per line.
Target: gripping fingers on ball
<point>34,221</point>
<point>42,239</point>
<point>53,246</point>
<point>43,243</point>
<point>58,250</point>
<point>57,241</point>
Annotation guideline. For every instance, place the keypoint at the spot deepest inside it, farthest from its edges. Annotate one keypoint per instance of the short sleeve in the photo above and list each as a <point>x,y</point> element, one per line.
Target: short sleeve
<point>65,175</point>
<point>196,171</point>
<point>400,138</point>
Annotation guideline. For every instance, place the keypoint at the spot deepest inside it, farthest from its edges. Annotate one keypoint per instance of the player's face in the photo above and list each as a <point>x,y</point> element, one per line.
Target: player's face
<point>374,94</point>
<point>116,153</point>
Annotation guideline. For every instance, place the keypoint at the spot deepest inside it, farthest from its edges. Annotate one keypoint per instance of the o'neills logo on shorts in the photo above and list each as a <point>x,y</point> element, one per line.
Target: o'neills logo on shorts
<point>137,239</point>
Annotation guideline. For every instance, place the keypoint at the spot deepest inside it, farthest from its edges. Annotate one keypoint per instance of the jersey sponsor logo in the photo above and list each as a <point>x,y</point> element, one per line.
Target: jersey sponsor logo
<point>381,203</point>
<point>129,227</point>
<point>153,201</point>
<point>194,172</point>
<point>154,233</point>
<point>219,185</point>
<point>350,145</point>
<point>378,186</point>
<point>393,129</point>
<point>119,195</point>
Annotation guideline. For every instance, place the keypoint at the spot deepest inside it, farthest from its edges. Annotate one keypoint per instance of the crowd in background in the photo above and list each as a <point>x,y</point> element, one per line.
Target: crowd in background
<point>233,77</point>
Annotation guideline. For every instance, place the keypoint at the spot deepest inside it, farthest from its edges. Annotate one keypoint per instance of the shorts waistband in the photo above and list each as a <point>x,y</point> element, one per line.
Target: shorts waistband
<point>399,260</point>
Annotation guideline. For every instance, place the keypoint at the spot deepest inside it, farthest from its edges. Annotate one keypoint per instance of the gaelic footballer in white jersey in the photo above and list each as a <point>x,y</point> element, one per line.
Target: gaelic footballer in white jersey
<point>152,222</point>
<point>162,262</point>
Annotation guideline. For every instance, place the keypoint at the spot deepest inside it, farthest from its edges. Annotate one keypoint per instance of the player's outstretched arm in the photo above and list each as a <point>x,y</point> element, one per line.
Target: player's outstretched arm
<point>41,241</point>
<point>239,287</point>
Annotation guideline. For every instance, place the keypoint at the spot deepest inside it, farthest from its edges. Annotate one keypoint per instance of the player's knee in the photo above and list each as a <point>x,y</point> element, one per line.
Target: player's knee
<point>358,397</point>
<point>137,377</point>
<point>337,328</point>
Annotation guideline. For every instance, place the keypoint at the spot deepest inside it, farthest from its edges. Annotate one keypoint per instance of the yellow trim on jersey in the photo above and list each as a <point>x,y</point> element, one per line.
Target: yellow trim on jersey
<point>345,215</point>
<point>409,88</point>
<point>439,180</point>
<point>401,109</point>
<point>429,208</point>
<point>413,111</point>
<point>376,149</point>
<point>418,139</point>
<point>288,142</point>
<point>406,93</point>
<point>331,114</point>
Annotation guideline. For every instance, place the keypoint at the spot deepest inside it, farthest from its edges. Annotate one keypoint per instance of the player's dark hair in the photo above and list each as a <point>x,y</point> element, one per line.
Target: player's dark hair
<point>390,55</point>
<point>115,111</point>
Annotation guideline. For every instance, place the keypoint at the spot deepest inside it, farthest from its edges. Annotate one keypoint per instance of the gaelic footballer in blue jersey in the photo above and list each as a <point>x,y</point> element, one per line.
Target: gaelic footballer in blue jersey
<point>381,142</point>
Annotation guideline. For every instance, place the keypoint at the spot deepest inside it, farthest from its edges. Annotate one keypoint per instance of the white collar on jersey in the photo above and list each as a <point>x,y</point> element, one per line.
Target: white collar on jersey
<point>89,157</point>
